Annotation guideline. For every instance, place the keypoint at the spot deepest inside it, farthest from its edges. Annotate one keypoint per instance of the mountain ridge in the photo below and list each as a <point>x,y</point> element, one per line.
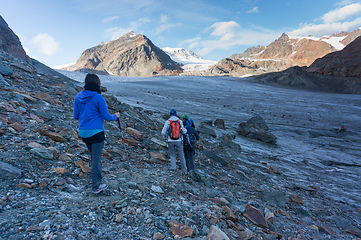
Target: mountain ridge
<point>284,52</point>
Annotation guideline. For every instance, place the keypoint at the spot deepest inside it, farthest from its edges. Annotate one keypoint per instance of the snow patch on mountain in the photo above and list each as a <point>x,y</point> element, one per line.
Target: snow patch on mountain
<point>190,60</point>
<point>335,42</point>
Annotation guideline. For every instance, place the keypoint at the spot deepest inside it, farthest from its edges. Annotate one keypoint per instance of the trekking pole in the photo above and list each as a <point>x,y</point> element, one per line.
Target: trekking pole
<point>121,135</point>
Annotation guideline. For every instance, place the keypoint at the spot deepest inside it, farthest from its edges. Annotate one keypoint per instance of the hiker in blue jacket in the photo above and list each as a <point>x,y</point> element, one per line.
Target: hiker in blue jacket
<point>189,145</point>
<point>174,129</point>
<point>91,110</point>
<point>188,121</point>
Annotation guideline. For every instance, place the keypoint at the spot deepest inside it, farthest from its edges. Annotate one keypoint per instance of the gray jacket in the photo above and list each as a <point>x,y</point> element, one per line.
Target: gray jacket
<point>166,127</point>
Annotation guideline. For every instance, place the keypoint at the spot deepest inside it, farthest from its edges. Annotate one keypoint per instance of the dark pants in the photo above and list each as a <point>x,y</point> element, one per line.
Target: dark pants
<point>189,156</point>
<point>95,151</point>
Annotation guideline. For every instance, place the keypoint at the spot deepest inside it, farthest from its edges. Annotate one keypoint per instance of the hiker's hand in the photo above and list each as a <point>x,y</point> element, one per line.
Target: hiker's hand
<point>117,114</point>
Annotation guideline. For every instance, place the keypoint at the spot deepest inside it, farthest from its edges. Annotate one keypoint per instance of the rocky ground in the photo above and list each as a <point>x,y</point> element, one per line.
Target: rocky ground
<point>45,186</point>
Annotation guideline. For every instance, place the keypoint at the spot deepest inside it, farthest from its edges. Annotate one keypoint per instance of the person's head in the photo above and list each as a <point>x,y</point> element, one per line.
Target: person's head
<point>173,112</point>
<point>92,80</point>
<point>185,117</point>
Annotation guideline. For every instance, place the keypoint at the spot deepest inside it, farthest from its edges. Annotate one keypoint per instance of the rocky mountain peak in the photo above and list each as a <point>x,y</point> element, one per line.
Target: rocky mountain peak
<point>132,55</point>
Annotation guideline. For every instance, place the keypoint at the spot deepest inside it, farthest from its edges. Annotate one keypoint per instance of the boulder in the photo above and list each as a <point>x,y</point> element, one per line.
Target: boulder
<point>206,130</point>
<point>256,128</point>
<point>9,171</point>
<point>215,157</point>
<point>219,123</point>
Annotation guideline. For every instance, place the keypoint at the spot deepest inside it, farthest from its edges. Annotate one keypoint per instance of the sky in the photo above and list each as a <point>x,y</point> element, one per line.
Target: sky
<point>58,32</point>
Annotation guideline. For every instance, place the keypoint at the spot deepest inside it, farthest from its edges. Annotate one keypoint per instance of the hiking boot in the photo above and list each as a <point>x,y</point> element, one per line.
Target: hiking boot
<point>100,189</point>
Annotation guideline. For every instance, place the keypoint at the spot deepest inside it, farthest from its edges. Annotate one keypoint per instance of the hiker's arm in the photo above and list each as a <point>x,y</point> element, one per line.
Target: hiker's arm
<point>184,130</point>
<point>103,108</point>
<point>196,134</point>
<point>165,128</point>
<point>76,112</point>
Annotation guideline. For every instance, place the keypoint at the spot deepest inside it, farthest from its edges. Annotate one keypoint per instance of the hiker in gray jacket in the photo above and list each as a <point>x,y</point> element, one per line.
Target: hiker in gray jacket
<point>174,129</point>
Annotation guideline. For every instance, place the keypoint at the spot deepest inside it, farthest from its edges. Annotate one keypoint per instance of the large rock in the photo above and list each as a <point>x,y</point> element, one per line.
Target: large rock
<point>9,171</point>
<point>256,128</point>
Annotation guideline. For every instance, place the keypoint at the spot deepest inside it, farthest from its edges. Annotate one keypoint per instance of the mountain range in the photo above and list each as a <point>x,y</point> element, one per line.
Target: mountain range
<point>297,62</point>
<point>283,53</point>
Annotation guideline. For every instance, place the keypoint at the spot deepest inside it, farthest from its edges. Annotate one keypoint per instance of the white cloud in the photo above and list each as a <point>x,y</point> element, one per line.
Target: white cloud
<point>333,22</point>
<point>225,35</point>
<point>116,32</point>
<point>192,43</point>
<point>320,30</point>
<point>164,24</point>
<point>342,13</point>
<point>46,44</point>
<point>109,19</point>
<point>253,10</point>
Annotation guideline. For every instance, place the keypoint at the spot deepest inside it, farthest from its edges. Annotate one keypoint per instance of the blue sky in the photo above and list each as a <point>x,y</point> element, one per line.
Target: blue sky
<point>57,32</point>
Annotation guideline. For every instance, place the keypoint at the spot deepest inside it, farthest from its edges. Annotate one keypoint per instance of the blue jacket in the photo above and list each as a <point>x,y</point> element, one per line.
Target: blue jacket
<point>91,110</point>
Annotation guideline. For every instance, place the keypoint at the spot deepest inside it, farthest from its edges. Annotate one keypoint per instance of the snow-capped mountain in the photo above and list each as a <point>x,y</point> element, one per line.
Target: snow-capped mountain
<point>191,61</point>
<point>184,56</point>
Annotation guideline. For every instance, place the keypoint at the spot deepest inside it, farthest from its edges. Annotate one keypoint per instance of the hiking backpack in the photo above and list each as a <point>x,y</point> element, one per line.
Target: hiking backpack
<point>174,129</point>
<point>188,139</point>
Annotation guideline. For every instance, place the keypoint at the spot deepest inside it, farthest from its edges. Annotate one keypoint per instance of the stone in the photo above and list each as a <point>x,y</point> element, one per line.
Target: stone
<point>60,170</point>
<point>130,142</point>
<point>246,234</point>
<point>327,229</point>
<point>273,170</point>
<point>6,107</point>
<point>215,233</point>
<point>158,236</point>
<point>83,165</point>
<point>353,231</point>
<point>5,70</point>
<point>200,176</point>
<point>158,156</point>
<point>18,126</point>
<point>57,137</point>
<point>46,97</point>
<point>219,123</point>
<point>220,201</point>
<point>229,214</point>
<point>256,128</point>
<point>296,199</point>
<point>43,152</point>
<point>135,133</point>
<point>179,229</point>
<point>206,130</point>
<point>64,157</point>
<point>255,216</point>
<point>157,189</point>
<point>119,218</point>
<point>214,156</point>
<point>8,171</point>
<point>23,185</point>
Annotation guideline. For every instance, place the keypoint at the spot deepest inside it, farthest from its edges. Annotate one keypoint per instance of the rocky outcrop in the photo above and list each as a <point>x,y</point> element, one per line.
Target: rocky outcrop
<point>344,63</point>
<point>338,72</point>
<point>131,55</point>
<point>10,43</point>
